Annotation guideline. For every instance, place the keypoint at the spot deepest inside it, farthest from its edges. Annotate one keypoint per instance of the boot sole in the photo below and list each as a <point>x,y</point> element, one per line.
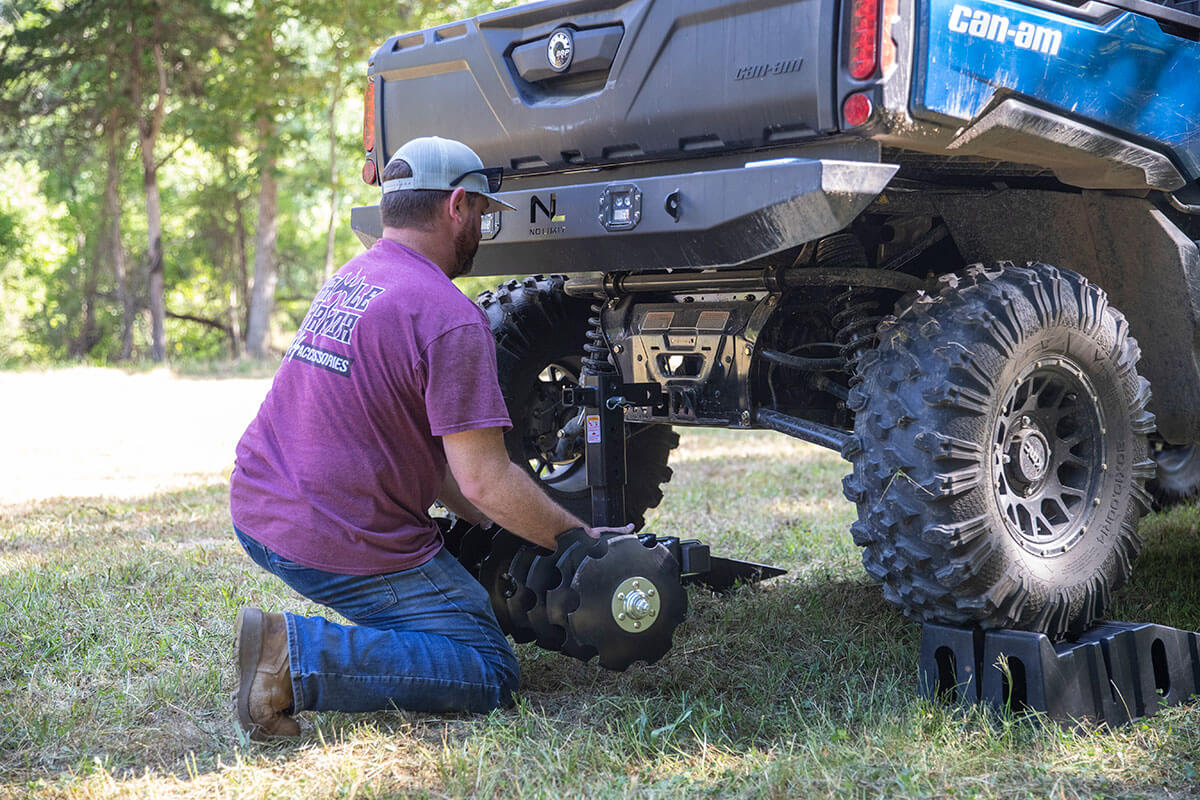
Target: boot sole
<point>249,653</point>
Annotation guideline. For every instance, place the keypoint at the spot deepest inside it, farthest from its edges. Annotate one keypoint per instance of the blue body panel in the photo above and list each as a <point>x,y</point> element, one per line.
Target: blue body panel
<point>1126,76</point>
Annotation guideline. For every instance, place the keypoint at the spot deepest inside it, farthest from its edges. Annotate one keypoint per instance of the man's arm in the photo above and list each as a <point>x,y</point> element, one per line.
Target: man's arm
<point>452,498</point>
<point>503,491</point>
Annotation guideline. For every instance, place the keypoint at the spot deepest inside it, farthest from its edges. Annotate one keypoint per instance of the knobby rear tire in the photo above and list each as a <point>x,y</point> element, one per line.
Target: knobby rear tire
<point>1000,452</point>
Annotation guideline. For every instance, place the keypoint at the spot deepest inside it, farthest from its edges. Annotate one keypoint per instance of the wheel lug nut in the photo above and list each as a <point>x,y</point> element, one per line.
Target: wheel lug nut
<point>620,616</point>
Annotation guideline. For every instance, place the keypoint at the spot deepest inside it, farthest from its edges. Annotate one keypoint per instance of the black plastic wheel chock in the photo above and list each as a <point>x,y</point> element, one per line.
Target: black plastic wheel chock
<point>1115,673</point>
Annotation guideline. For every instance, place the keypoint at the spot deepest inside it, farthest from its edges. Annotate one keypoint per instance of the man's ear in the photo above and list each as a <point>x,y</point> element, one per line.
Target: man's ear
<point>460,205</point>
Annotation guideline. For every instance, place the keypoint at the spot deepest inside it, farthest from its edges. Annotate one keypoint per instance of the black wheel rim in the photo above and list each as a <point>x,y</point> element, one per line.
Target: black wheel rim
<point>556,461</point>
<point>1049,456</point>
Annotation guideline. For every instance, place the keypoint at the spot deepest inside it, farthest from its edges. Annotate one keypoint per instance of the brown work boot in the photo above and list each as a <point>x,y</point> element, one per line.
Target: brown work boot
<point>264,696</point>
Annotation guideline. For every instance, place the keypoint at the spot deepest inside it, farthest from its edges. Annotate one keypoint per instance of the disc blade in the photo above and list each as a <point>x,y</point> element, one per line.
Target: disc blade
<point>625,564</point>
<point>452,534</point>
<point>495,576</point>
<point>563,599</point>
<point>519,603</point>
<point>476,544</point>
<point>544,576</point>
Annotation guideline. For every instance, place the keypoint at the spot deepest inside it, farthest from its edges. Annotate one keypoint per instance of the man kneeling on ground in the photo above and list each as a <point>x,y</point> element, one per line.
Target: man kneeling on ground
<point>386,400</point>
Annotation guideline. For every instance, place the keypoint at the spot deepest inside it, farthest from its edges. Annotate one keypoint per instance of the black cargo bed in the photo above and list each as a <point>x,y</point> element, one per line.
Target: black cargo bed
<point>648,80</point>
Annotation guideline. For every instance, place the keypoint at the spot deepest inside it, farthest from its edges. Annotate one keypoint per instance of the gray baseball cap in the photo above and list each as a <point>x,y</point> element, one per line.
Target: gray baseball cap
<point>446,164</point>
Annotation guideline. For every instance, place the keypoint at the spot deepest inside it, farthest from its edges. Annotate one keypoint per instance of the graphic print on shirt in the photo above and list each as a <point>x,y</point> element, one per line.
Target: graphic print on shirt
<point>333,316</point>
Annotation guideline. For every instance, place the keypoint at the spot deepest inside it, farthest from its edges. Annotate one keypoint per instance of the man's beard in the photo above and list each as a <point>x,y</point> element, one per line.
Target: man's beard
<point>465,247</point>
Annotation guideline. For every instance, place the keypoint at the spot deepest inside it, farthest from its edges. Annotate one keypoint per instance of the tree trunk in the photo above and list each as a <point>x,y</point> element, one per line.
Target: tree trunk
<point>242,285</point>
<point>149,127</point>
<point>331,231</point>
<point>88,336</point>
<point>234,314</point>
<point>239,278</point>
<point>114,140</point>
<point>116,251</point>
<point>86,339</point>
<point>157,288</point>
<point>262,295</point>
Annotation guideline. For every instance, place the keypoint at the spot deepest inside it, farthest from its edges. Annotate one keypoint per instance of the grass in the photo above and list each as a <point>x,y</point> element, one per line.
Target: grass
<point>115,670</point>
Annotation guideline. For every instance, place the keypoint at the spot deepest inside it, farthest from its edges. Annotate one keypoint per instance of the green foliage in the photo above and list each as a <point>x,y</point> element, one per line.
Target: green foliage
<point>34,278</point>
<point>67,104</point>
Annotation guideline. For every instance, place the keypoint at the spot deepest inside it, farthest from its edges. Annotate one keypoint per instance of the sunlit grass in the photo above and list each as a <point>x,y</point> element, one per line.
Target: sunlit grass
<point>115,670</point>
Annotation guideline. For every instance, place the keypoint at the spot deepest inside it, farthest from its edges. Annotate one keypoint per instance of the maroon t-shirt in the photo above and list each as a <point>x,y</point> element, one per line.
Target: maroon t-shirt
<point>344,459</point>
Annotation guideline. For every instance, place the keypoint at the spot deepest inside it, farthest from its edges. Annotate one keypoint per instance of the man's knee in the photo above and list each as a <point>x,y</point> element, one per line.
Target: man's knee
<point>507,675</point>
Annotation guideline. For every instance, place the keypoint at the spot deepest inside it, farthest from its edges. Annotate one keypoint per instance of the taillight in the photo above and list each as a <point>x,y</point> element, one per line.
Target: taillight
<point>857,110</point>
<point>864,38</point>
<point>369,117</point>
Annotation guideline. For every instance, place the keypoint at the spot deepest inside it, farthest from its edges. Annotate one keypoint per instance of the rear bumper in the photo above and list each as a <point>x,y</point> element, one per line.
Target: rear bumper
<point>718,218</point>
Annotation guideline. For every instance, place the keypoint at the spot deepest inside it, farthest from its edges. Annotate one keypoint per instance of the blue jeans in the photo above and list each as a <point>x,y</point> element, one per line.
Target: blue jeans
<point>424,639</point>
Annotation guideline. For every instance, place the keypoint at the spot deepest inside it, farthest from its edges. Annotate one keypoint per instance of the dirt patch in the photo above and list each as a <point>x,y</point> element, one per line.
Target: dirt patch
<point>89,432</point>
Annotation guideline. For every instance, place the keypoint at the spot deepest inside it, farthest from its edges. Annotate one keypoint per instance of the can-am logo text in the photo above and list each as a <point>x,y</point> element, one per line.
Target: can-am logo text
<point>1024,35</point>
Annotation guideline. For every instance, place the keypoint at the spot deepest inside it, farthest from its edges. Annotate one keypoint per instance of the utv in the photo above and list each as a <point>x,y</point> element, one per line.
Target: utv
<point>901,229</point>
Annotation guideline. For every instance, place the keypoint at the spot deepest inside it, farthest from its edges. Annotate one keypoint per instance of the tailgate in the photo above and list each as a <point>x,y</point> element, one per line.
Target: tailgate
<point>644,79</point>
